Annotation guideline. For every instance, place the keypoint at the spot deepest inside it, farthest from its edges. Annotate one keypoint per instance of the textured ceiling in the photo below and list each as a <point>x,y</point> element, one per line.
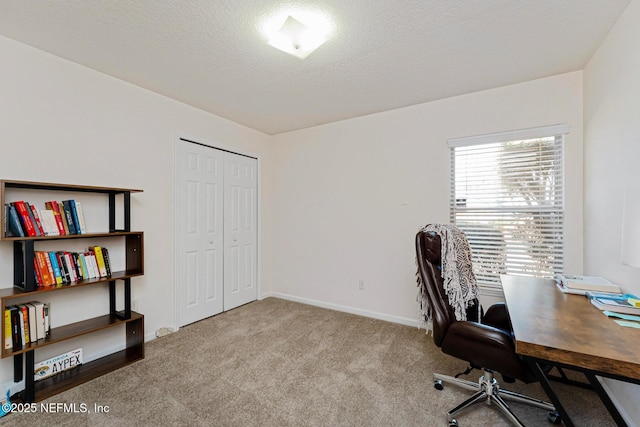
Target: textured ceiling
<point>384,54</point>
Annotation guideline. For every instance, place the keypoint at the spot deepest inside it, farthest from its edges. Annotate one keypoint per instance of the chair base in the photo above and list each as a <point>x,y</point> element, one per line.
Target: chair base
<point>487,389</point>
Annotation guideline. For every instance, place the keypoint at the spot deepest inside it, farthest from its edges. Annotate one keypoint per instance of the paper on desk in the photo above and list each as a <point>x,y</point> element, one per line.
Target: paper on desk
<point>628,324</point>
<point>621,316</point>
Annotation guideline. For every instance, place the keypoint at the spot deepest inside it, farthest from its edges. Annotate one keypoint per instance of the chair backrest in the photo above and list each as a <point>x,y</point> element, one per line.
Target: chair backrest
<point>428,251</point>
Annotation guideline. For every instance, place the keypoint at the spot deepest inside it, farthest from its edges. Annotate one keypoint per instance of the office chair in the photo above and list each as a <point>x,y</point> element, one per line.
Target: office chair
<point>487,344</point>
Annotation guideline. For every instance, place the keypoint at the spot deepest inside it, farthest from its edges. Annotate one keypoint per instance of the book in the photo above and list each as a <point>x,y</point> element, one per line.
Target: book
<point>37,272</point>
<point>47,320</point>
<point>83,264</point>
<point>615,304</point>
<point>53,206</point>
<point>24,321</point>
<point>83,227</point>
<point>40,331</point>
<point>68,214</point>
<point>107,261</point>
<point>64,271</point>
<point>8,342</point>
<point>588,283</point>
<point>15,226</point>
<point>48,222</point>
<point>74,214</point>
<point>102,269</point>
<point>16,337</point>
<point>71,266</point>
<point>33,333</point>
<point>25,219</point>
<point>36,219</point>
<point>57,273</point>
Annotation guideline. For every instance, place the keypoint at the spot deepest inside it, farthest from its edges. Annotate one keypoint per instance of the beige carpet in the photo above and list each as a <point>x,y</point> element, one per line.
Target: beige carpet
<point>279,363</point>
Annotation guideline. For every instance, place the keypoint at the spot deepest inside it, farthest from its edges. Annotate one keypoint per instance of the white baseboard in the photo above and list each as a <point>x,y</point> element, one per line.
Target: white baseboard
<point>344,308</point>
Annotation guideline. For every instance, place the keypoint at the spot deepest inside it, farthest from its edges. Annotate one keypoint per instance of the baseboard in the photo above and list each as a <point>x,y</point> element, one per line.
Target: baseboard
<point>344,308</point>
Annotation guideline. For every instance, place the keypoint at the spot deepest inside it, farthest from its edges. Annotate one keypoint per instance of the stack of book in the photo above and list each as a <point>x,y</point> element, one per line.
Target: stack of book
<point>618,303</point>
<point>60,268</point>
<point>25,323</point>
<point>22,219</point>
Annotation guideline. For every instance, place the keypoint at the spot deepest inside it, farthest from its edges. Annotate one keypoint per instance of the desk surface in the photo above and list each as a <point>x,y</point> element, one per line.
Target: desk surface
<point>568,329</point>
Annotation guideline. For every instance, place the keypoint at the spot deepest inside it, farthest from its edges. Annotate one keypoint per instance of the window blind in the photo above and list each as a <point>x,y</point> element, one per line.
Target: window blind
<point>508,198</point>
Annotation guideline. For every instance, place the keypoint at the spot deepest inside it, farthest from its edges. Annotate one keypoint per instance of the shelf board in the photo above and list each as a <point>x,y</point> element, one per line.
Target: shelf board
<point>74,236</point>
<point>74,330</point>
<point>86,372</point>
<point>16,292</point>
<point>6,183</point>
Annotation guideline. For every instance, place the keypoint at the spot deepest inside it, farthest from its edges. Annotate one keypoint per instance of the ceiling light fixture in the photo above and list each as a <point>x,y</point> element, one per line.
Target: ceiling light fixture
<point>297,38</point>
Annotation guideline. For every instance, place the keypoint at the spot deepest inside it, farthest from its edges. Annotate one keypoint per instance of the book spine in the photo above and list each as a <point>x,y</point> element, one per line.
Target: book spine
<point>8,341</point>
<point>15,327</point>
<point>56,268</point>
<point>5,222</point>
<point>38,272</point>
<point>83,227</point>
<point>26,219</point>
<point>66,207</point>
<point>97,251</point>
<point>32,219</point>
<point>14,222</point>
<point>33,333</point>
<point>39,319</point>
<point>47,320</point>
<point>53,206</point>
<point>36,217</point>
<point>21,325</point>
<point>107,261</point>
<point>71,267</point>
<point>74,214</point>
<point>66,278</point>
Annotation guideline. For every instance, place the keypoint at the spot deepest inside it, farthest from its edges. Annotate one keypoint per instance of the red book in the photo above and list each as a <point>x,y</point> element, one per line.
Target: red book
<point>46,271</point>
<point>53,206</point>
<point>36,267</point>
<point>21,207</point>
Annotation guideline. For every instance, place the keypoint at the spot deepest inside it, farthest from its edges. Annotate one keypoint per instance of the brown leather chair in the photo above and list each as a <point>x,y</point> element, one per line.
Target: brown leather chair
<point>485,343</point>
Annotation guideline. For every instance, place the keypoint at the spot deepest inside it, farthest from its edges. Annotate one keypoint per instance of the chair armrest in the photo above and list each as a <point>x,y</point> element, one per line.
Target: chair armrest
<point>498,317</point>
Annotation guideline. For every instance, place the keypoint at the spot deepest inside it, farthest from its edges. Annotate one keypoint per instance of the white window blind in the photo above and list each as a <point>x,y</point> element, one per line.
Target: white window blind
<point>507,196</point>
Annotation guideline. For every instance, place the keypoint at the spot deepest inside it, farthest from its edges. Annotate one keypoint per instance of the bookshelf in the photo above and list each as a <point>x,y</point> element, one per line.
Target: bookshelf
<point>25,286</point>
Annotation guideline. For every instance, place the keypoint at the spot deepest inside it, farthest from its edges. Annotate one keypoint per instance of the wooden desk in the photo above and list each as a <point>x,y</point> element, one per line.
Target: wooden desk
<point>568,331</point>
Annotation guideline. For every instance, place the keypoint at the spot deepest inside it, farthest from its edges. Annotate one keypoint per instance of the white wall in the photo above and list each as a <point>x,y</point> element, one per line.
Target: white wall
<point>612,158</point>
<point>62,122</point>
<point>351,195</point>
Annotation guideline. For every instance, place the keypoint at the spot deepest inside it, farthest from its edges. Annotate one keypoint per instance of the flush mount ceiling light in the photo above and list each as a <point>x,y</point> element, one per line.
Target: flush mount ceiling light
<point>298,37</point>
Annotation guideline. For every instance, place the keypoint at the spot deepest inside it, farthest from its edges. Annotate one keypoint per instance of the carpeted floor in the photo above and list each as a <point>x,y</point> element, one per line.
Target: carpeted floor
<point>279,363</point>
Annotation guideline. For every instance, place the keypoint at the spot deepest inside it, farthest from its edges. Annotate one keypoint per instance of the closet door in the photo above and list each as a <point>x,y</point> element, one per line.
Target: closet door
<point>240,230</point>
<point>200,232</point>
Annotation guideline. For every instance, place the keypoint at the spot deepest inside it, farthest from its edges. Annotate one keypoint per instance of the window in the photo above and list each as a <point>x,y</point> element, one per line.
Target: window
<point>507,196</point>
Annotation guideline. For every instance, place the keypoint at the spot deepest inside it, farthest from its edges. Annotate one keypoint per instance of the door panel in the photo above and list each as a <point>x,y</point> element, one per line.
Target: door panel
<point>240,230</point>
<point>200,232</point>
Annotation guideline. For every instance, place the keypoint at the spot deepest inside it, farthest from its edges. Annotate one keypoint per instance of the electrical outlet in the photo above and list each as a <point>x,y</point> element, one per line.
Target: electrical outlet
<point>134,305</point>
<point>361,285</point>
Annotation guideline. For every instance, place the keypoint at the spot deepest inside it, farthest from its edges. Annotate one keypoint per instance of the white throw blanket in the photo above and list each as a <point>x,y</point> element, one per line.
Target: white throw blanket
<point>458,279</point>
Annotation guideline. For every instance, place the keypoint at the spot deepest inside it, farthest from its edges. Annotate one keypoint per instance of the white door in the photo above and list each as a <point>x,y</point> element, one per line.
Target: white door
<point>240,230</point>
<point>200,232</point>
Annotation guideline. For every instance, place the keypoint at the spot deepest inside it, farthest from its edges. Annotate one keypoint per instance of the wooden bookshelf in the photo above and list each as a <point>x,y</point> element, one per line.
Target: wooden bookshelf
<point>24,288</point>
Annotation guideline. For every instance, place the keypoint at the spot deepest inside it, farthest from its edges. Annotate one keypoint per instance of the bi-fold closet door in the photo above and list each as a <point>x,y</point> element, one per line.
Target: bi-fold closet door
<point>216,231</point>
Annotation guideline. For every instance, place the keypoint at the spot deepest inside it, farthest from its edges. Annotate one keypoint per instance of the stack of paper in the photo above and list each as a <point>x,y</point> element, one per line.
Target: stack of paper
<point>581,284</point>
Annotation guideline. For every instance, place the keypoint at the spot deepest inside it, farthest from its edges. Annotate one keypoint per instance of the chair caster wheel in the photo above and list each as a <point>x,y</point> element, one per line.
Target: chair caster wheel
<point>438,385</point>
<point>554,418</point>
<point>453,423</point>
